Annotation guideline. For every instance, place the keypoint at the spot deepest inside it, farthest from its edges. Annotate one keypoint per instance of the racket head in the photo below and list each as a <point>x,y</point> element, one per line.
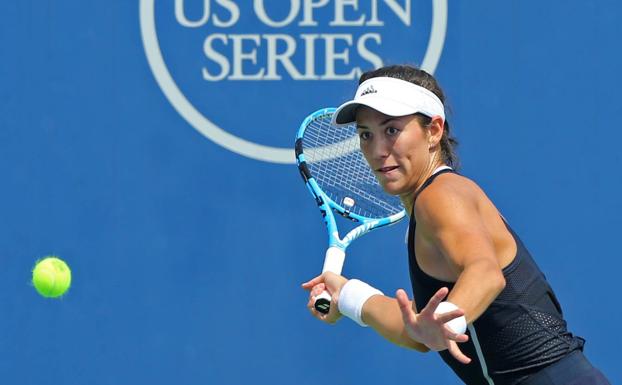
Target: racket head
<point>336,172</point>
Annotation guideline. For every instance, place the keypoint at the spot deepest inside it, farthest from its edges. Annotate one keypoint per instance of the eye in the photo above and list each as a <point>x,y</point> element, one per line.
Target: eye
<point>391,131</point>
<point>365,135</point>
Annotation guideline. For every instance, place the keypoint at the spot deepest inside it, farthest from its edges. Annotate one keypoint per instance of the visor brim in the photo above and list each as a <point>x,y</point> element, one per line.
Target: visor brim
<point>346,113</point>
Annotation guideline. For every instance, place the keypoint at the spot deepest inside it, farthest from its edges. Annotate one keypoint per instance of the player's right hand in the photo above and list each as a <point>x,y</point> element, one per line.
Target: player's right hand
<point>332,283</point>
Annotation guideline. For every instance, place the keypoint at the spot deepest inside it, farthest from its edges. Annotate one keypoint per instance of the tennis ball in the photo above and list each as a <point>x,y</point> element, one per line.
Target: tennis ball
<point>51,277</point>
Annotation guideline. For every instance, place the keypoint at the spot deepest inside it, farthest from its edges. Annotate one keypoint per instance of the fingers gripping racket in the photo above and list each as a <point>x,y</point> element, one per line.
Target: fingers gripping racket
<point>340,180</point>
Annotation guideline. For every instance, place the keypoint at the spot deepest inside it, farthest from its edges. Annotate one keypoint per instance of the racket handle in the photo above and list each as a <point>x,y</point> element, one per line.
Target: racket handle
<point>333,262</point>
<point>322,302</point>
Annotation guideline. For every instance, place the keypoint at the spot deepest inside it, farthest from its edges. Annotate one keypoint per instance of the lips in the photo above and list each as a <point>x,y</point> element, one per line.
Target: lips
<point>386,169</point>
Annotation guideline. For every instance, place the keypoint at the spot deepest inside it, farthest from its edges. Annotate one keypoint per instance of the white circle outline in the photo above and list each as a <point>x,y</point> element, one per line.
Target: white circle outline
<point>223,138</point>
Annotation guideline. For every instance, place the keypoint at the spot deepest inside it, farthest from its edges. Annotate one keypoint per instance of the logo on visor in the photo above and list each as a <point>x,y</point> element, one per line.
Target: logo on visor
<point>210,57</point>
<point>369,90</point>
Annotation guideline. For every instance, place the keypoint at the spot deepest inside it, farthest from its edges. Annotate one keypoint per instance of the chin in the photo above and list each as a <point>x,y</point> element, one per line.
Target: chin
<point>392,188</point>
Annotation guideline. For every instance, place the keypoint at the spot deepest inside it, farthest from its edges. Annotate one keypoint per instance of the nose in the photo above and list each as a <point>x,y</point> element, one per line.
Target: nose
<point>380,148</point>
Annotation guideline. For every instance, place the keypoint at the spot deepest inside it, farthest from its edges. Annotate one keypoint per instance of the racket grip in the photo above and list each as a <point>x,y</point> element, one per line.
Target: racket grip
<point>333,262</point>
<point>322,302</point>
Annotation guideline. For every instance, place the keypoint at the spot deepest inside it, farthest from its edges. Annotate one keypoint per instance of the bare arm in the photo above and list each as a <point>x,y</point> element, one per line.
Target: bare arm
<point>384,316</point>
<point>379,312</point>
<point>451,220</point>
<point>389,317</point>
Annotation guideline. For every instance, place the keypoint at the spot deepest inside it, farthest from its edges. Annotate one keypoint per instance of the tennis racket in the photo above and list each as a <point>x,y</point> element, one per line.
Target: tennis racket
<point>339,178</point>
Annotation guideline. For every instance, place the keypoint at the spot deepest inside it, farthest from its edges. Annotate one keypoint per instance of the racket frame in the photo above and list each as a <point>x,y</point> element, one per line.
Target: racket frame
<point>335,254</point>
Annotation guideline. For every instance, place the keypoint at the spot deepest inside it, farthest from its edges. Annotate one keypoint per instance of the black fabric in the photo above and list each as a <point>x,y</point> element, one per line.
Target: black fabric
<point>573,369</point>
<point>521,332</point>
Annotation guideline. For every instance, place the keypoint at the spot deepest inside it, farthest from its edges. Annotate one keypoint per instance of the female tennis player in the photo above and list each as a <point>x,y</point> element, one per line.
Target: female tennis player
<point>468,268</point>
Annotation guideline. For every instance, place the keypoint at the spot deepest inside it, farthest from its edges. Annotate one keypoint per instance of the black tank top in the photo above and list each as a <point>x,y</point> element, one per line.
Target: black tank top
<point>521,332</point>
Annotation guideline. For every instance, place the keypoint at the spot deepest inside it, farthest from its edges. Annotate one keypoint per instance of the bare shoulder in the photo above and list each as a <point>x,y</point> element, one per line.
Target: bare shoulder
<point>450,187</point>
<point>451,197</point>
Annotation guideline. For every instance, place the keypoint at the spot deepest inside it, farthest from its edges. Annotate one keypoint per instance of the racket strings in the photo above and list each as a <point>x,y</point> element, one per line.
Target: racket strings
<point>341,171</point>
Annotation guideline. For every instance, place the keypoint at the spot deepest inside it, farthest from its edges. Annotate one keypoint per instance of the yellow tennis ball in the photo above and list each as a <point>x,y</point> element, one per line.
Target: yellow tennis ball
<point>51,277</point>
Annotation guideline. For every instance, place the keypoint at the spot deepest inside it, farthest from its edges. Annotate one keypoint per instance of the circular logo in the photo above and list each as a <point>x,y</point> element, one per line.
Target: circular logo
<point>341,19</point>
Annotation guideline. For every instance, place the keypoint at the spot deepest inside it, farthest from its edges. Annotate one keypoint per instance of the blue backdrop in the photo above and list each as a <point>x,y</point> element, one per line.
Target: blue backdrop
<point>147,143</point>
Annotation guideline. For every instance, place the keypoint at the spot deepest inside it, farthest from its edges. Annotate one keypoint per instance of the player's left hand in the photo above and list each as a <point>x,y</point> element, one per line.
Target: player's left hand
<point>429,327</point>
<point>332,283</point>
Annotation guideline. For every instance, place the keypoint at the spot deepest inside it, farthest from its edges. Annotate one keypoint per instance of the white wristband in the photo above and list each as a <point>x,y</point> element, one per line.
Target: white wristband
<point>457,325</point>
<point>352,297</point>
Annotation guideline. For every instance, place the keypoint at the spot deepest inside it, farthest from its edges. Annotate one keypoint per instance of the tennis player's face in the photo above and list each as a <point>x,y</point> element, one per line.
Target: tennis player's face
<point>396,148</point>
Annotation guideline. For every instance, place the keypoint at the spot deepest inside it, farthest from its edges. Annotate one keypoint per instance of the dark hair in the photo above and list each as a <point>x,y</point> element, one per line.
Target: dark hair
<point>421,78</point>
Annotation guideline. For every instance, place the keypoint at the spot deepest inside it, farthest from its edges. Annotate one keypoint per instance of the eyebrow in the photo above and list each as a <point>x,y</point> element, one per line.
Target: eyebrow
<point>361,127</point>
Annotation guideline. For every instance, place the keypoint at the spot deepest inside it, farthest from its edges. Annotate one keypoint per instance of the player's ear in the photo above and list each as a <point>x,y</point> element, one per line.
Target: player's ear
<point>435,131</point>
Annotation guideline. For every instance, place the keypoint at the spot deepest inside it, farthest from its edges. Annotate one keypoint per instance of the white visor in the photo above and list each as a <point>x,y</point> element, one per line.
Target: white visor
<point>392,97</point>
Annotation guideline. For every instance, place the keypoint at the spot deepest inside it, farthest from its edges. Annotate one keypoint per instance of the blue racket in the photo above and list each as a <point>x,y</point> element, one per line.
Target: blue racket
<point>339,178</point>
